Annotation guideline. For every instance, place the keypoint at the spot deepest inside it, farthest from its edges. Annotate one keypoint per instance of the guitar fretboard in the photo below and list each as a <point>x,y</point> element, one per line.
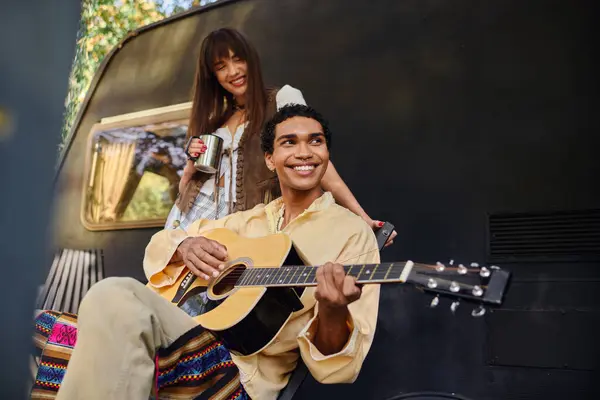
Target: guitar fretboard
<point>306,275</point>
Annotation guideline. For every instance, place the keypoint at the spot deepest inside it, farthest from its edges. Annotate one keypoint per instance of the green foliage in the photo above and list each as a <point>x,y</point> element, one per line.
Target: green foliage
<point>104,23</point>
<point>151,199</point>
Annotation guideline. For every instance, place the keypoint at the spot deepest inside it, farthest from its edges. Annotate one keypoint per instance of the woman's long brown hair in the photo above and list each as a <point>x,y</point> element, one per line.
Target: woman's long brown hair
<point>212,105</point>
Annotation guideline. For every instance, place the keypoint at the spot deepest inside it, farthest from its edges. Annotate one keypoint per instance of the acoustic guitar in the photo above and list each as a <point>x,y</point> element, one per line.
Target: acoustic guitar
<point>260,287</point>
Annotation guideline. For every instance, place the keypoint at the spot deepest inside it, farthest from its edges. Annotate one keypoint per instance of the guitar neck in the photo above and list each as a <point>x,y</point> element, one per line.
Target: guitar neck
<point>294,276</point>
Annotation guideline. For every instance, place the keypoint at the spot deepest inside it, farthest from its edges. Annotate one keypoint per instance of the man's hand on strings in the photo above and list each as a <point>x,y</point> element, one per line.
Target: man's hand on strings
<point>204,257</point>
<point>335,290</point>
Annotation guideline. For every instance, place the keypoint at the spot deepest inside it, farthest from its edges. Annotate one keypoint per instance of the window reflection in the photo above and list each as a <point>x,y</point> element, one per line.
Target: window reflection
<point>133,175</point>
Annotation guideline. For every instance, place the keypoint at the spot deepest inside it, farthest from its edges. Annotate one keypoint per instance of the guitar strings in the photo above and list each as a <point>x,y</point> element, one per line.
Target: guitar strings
<point>234,276</point>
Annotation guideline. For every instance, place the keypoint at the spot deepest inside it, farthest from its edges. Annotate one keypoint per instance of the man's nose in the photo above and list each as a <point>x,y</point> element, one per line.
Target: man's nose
<point>303,151</point>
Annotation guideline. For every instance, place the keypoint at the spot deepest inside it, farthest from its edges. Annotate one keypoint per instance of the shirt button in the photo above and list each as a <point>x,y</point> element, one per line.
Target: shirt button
<point>176,223</point>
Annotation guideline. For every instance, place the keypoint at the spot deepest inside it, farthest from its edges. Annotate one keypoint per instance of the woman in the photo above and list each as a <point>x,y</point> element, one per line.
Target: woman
<point>231,101</point>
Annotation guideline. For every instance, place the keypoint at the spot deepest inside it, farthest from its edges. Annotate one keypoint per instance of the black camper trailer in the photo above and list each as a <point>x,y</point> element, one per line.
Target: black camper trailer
<point>468,125</point>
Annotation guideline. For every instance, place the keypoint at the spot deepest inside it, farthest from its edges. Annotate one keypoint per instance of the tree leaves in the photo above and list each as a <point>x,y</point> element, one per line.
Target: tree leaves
<point>104,23</point>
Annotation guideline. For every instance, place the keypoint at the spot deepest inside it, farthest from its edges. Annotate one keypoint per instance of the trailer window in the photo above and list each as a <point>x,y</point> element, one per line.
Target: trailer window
<point>132,175</point>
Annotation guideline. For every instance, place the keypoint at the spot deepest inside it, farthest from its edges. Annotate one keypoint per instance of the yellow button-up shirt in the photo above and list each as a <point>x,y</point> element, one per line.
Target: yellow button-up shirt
<point>323,232</point>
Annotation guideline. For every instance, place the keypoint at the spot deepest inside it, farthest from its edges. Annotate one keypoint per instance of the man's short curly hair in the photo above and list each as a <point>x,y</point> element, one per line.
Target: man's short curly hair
<point>286,112</point>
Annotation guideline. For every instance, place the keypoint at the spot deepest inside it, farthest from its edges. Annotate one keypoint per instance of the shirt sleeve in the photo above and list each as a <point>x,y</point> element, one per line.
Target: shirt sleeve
<point>161,264</point>
<point>344,366</point>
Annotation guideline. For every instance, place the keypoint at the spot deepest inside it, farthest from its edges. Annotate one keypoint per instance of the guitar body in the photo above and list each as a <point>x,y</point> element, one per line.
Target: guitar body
<point>246,319</point>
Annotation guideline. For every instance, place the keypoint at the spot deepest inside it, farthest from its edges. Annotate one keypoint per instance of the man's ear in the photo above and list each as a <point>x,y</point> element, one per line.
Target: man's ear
<point>269,161</point>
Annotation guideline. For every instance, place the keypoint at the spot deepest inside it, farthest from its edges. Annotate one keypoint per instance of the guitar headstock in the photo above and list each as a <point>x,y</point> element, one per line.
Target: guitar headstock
<point>473,283</point>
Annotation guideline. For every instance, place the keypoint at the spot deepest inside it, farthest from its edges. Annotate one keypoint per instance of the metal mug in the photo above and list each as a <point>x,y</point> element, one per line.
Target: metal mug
<point>210,160</point>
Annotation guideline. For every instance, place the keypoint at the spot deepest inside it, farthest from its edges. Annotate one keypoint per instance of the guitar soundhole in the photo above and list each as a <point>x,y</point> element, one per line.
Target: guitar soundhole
<point>228,280</point>
<point>196,302</point>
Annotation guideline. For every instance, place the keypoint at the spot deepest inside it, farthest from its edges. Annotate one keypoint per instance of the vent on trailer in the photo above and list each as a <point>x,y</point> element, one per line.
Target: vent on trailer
<point>549,236</point>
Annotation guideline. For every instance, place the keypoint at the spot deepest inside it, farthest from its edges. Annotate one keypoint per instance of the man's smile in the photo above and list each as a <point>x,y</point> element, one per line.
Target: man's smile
<point>304,169</point>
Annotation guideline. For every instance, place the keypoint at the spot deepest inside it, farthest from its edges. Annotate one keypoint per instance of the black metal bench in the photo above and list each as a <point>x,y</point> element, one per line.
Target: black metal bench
<point>71,275</point>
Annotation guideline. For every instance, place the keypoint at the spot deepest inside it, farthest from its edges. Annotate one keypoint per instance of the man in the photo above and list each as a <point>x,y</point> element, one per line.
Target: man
<point>125,330</point>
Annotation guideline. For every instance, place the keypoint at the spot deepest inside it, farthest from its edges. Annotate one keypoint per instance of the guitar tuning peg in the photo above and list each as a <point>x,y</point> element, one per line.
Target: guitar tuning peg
<point>494,267</point>
<point>478,312</point>
<point>451,262</point>
<point>439,267</point>
<point>454,306</point>
<point>475,265</point>
<point>462,270</point>
<point>435,301</point>
<point>454,287</point>
<point>484,272</point>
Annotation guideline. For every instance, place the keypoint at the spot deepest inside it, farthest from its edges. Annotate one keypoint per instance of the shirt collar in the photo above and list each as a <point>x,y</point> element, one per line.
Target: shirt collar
<point>273,208</point>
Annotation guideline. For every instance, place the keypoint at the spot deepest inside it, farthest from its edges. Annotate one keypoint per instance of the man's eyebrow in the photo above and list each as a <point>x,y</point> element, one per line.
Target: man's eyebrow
<point>295,135</point>
<point>288,136</point>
